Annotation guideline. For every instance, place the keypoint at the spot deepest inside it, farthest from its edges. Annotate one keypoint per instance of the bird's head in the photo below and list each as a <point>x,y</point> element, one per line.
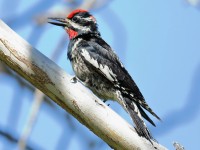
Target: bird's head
<point>78,22</point>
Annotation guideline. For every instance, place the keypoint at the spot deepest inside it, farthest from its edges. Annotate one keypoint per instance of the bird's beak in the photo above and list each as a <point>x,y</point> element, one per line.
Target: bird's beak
<point>63,22</point>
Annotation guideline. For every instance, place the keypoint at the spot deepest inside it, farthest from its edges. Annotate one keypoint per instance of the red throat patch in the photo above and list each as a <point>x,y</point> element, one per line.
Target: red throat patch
<point>72,34</point>
<point>71,15</point>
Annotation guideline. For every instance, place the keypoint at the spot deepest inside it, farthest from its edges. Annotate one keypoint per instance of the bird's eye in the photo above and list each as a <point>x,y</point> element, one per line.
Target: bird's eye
<point>74,19</point>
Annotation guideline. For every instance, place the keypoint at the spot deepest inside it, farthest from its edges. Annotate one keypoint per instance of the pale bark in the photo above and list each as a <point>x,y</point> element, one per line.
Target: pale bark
<point>45,75</point>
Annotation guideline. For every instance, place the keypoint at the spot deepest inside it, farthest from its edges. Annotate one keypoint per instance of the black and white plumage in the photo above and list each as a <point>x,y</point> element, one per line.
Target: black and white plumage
<point>99,68</point>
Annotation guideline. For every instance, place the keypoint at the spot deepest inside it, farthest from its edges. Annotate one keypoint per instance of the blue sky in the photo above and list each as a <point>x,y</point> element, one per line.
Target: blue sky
<point>158,42</point>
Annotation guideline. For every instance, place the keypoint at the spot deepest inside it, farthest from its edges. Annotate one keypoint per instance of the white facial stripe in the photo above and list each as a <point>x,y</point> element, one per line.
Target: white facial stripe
<point>75,25</point>
<point>87,19</point>
<point>104,69</point>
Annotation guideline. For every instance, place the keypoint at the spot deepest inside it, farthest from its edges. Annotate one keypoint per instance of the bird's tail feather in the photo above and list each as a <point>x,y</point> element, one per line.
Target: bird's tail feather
<point>145,106</point>
<point>134,112</point>
<point>145,115</point>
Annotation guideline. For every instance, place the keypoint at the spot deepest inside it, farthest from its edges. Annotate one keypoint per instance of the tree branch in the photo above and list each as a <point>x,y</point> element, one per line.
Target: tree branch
<point>73,97</point>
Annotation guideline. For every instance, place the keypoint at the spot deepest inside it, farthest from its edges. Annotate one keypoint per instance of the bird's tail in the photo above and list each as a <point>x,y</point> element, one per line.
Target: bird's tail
<point>135,113</point>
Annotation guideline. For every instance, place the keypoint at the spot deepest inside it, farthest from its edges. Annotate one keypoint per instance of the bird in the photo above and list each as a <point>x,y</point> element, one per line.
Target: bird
<point>99,68</point>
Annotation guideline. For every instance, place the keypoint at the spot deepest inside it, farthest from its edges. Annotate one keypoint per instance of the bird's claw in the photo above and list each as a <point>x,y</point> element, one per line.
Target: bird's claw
<point>105,102</point>
<point>74,79</point>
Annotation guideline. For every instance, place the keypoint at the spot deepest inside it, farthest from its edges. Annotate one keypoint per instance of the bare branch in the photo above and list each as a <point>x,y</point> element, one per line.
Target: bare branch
<point>73,97</point>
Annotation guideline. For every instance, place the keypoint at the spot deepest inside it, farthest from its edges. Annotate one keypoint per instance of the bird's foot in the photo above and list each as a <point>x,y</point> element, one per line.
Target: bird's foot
<point>74,79</point>
<point>105,102</point>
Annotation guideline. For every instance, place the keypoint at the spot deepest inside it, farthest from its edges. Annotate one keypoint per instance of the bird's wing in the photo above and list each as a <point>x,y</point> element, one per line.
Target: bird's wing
<point>106,62</point>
